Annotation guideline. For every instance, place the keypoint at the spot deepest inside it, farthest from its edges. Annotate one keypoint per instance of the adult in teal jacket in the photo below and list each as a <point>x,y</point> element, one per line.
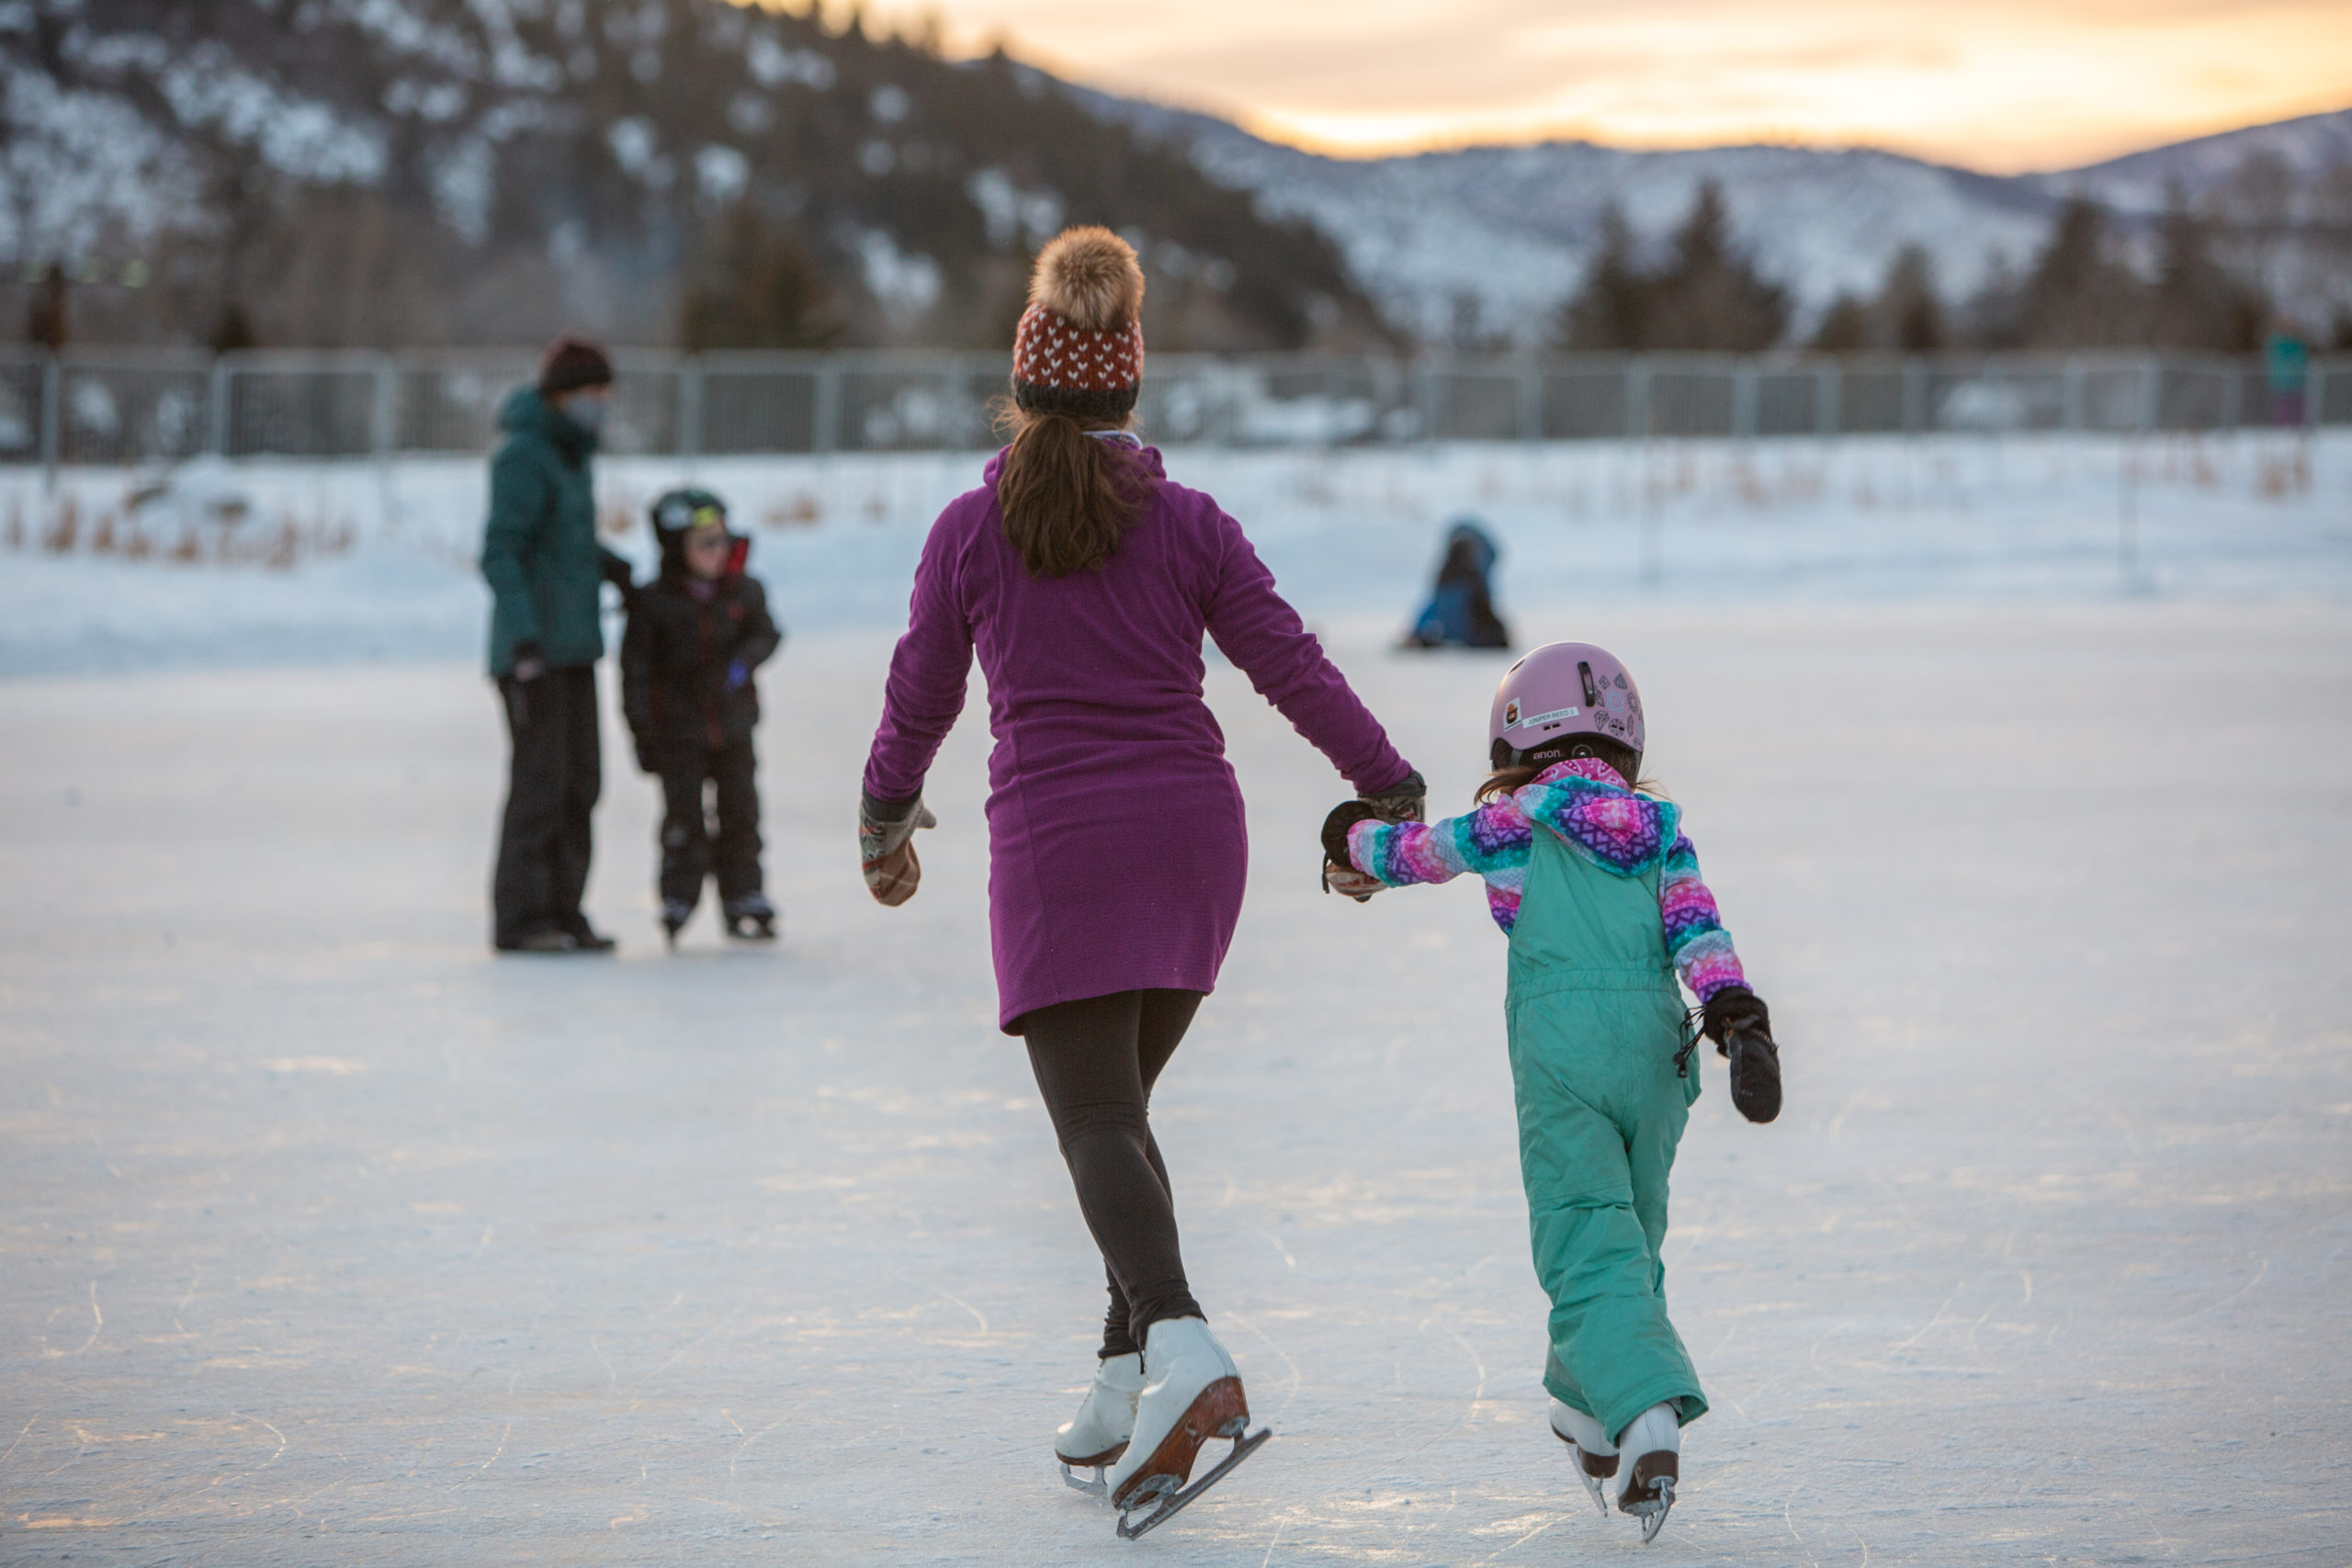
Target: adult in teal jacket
<point>540,557</point>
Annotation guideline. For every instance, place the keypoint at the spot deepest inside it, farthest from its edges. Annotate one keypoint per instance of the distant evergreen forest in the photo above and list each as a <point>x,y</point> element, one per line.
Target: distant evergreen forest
<point>1702,291</point>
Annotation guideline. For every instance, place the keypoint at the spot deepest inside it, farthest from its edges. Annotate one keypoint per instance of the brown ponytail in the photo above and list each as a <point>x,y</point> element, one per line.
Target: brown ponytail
<point>1066,497</point>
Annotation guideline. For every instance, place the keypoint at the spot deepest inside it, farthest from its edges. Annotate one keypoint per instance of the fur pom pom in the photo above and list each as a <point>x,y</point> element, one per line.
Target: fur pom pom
<point>1089,277</point>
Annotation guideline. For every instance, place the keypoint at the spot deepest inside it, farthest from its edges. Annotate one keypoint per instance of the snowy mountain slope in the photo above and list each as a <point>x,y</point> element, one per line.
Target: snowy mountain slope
<point>1513,228</point>
<point>2140,181</point>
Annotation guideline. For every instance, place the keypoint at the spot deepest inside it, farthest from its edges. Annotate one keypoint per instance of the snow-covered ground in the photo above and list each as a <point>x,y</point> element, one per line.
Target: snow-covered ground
<point>271,563</point>
<point>328,1237</point>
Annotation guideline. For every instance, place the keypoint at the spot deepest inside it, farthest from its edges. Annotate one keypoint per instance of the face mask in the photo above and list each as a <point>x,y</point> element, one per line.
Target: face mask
<point>588,414</point>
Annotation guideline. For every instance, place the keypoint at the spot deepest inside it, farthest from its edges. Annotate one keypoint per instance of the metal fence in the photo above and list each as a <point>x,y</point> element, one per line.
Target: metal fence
<point>100,407</point>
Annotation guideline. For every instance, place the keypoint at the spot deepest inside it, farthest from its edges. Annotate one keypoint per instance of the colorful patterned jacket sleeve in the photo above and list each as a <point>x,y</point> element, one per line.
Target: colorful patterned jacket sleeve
<point>1695,938</point>
<point>1492,842</point>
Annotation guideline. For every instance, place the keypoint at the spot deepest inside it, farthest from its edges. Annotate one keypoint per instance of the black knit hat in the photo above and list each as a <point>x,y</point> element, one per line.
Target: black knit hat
<point>571,363</point>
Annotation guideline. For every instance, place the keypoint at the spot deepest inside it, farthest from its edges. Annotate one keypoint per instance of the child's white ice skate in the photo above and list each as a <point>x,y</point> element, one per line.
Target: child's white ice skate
<point>1096,1438</point>
<point>1653,1446</point>
<point>1194,1395</point>
<point>1596,1456</point>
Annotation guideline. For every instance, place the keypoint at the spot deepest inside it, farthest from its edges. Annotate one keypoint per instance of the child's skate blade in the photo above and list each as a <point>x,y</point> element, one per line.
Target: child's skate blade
<point>1593,1470</point>
<point>1220,1410</point>
<point>1172,1501</point>
<point>1649,1495</point>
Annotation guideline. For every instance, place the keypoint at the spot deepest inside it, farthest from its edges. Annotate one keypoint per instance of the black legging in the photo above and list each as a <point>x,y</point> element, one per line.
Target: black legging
<point>1096,1061</point>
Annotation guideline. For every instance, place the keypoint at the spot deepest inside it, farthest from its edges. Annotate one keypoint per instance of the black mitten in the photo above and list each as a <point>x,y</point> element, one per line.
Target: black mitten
<point>1733,1007</point>
<point>1741,1027</point>
<point>1344,816</point>
<point>1340,873</point>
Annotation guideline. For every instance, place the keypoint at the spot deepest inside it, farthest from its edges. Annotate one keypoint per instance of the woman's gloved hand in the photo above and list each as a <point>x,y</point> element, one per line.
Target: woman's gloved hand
<point>1340,873</point>
<point>885,848</point>
<point>1406,800</point>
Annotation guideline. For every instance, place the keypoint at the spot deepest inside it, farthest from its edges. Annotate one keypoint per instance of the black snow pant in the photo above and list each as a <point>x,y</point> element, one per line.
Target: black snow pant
<point>691,849</point>
<point>1096,1061</point>
<point>552,782</point>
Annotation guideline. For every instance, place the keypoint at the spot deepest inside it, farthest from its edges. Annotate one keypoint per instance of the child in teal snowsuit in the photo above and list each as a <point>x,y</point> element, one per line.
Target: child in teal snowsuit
<point>1599,891</point>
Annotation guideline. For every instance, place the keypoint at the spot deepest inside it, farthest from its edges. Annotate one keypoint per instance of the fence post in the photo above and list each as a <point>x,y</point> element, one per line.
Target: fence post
<point>217,395</point>
<point>1530,403</point>
<point>1743,399</point>
<point>2069,381</point>
<point>2233,391</point>
<point>826,436</point>
<point>53,391</point>
<point>2152,392</point>
<point>1828,392</point>
<point>689,412</point>
<point>1915,397</point>
<point>384,435</point>
<point>1638,398</point>
<point>2314,387</point>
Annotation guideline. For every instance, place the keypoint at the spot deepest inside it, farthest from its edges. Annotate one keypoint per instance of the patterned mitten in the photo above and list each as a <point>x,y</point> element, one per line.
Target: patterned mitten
<point>886,846</point>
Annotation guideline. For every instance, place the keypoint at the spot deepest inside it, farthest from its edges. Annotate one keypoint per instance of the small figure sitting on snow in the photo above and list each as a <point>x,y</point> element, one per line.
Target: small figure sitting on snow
<point>696,633</point>
<point>1461,611</point>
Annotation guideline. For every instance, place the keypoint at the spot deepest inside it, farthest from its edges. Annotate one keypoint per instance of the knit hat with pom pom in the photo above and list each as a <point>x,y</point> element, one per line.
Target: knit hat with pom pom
<point>1078,350</point>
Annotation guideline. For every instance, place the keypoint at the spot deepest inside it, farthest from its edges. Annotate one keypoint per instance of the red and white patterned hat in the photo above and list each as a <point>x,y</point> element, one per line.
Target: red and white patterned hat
<point>1078,350</point>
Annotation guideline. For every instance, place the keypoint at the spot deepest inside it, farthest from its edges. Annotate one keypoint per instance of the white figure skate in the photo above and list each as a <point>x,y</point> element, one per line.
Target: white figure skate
<point>1653,1446</point>
<point>1194,1395</point>
<point>1596,1456</point>
<point>1098,1435</point>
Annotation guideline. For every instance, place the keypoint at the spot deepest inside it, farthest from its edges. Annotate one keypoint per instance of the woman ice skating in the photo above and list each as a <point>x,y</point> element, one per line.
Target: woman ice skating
<point>1590,877</point>
<point>1083,578</point>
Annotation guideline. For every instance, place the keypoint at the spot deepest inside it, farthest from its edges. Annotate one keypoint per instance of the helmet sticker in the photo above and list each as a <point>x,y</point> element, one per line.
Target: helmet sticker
<point>1553,718</point>
<point>1510,713</point>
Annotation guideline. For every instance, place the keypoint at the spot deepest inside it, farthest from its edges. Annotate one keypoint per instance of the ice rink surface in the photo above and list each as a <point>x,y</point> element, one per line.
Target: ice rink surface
<point>330,1238</point>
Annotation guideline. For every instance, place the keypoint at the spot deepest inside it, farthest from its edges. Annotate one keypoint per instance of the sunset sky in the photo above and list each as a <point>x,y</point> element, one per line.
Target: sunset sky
<point>2001,86</point>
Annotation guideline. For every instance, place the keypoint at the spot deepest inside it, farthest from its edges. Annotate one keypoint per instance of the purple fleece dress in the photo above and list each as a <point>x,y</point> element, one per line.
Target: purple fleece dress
<point>1117,851</point>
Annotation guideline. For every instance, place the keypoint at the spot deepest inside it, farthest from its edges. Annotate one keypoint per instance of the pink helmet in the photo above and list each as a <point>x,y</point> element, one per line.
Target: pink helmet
<point>1558,692</point>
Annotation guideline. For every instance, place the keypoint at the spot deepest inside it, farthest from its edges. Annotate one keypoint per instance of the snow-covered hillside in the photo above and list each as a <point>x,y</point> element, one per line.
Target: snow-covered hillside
<point>1513,228</point>
<point>2142,182</point>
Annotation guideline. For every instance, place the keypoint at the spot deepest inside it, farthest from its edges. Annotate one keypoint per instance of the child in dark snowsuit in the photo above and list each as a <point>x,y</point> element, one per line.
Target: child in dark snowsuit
<point>696,633</point>
<point>1591,878</point>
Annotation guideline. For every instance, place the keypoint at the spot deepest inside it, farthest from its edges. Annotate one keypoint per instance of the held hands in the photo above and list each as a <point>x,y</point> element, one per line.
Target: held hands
<point>1406,800</point>
<point>1340,873</point>
<point>885,848</point>
<point>530,663</point>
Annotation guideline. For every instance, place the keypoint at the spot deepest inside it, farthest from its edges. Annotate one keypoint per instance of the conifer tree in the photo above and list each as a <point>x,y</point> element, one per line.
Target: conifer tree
<point>1611,312</point>
<point>759,288</point>
<point>2078,295</point>
<point>2195,303</point>
<point>1710,295</point>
